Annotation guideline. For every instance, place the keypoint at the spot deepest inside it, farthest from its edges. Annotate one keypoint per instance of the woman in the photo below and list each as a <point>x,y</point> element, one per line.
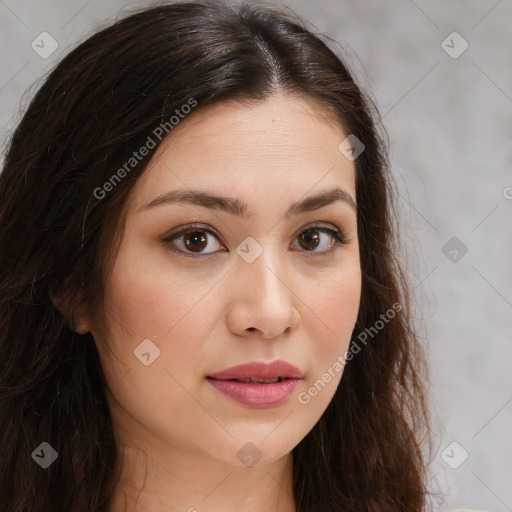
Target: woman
<point>201,303</point>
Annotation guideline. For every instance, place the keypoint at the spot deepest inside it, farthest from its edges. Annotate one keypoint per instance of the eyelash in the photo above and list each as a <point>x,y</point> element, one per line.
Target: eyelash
<point>337,235</point>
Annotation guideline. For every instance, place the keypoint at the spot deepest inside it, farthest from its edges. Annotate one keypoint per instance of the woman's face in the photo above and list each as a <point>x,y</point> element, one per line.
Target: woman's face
<point>268,285</point>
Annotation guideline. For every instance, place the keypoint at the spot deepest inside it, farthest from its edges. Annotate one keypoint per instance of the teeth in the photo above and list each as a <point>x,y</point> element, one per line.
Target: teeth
<point>266,381</point>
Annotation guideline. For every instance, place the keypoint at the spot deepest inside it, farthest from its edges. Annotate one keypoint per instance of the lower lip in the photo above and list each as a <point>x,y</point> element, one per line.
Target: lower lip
<point>256,395</point>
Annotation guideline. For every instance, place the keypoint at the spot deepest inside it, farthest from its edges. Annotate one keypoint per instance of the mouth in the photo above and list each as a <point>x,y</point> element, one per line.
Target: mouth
<point>255,380</point>
<point>260,372</point>
<point>258,385</point>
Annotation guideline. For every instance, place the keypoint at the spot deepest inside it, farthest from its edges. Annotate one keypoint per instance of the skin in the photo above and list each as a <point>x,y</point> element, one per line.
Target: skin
<point>179,436</point>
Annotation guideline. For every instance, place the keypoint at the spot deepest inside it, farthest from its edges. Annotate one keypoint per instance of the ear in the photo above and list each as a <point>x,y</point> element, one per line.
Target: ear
<point>76,312</point>
<point>81,320</point>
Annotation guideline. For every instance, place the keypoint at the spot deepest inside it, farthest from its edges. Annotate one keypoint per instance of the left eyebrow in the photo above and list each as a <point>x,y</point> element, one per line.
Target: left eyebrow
<point>239,209</point>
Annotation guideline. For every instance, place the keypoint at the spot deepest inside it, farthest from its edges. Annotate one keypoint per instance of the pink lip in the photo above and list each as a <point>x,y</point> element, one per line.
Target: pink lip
<point>260,370</point>
<point>255,394</point>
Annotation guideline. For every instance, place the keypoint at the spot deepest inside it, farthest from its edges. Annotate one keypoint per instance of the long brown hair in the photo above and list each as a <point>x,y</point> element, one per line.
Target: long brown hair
<point>58,237</point>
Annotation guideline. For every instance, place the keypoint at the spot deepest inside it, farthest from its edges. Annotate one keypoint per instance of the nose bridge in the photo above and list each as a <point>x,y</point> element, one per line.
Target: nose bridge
<point>263,295</point>
<point>262,271</point>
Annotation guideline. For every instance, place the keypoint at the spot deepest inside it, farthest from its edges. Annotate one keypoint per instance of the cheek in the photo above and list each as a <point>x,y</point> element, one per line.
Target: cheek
<point>148,301</point>
<point>155,323</point>
<point>330,322</point>
<point>153,312</point>
<point>340,311</point>
<point>334,304</point>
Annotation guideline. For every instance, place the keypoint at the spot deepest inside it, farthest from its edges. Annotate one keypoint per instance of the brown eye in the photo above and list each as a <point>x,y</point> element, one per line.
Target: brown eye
<point>195,241</point>
<point>309,239</point>
<point>192,241</point>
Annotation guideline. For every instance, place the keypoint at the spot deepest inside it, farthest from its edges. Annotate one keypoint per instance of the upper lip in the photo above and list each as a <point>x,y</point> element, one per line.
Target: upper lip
<point>260,370</point>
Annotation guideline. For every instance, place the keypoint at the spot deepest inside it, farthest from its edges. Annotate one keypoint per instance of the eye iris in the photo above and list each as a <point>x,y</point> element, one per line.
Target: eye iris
<point>308,238</point>
<point>195,237</point>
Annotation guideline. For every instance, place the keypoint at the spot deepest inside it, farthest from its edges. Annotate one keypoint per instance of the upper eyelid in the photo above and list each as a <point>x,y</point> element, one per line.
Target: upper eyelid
<point>182,230</point>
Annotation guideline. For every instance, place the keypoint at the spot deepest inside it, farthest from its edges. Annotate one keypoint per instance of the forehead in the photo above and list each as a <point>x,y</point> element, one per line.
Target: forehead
<point>275,146</point>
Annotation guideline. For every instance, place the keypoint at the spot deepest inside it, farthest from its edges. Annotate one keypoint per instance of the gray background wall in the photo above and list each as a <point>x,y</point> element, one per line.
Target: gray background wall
<point>449,118</point>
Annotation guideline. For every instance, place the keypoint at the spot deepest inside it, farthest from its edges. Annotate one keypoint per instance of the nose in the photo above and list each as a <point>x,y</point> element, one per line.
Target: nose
<point>262,299</point>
